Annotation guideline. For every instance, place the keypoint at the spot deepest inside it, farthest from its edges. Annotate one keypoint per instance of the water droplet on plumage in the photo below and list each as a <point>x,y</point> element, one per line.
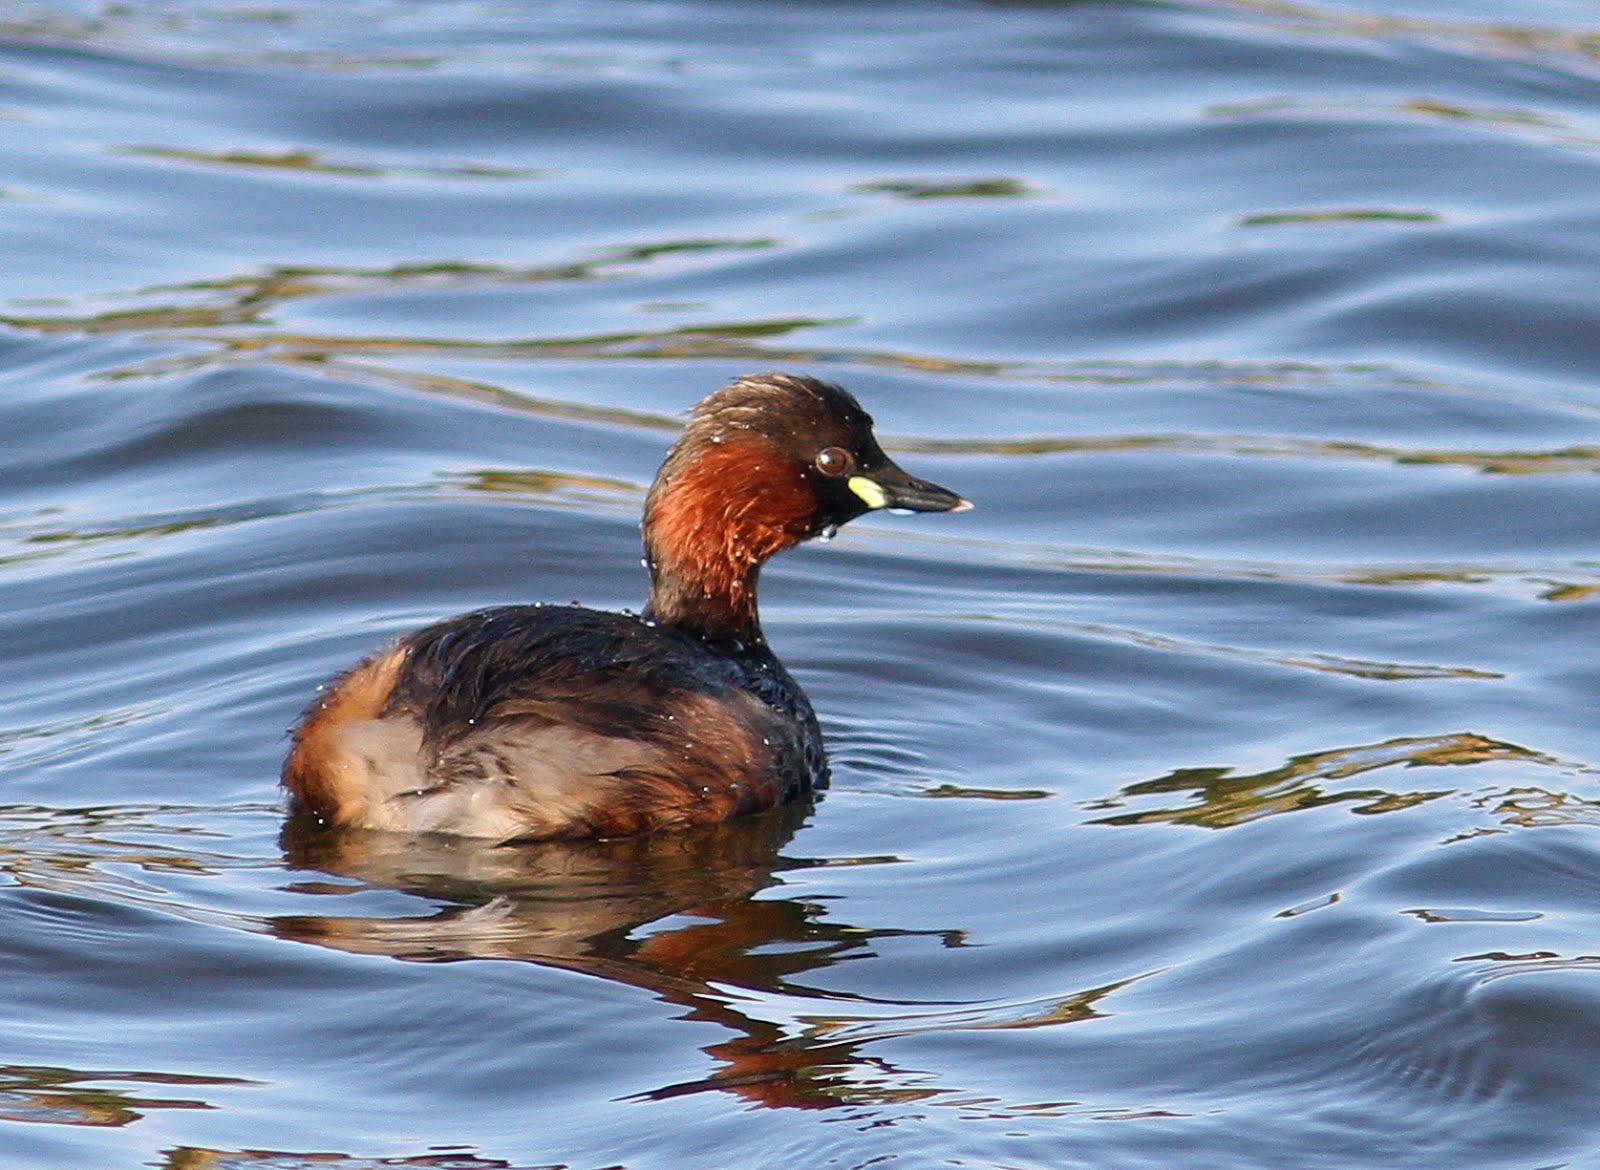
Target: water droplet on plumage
<point>829,531</point>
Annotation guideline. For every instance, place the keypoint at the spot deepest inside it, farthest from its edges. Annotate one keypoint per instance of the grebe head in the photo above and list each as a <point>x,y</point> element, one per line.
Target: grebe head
<point>764,463</point>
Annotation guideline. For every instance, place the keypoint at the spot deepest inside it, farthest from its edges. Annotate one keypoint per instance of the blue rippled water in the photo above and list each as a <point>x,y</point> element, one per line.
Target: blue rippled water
<point>1220,792</point>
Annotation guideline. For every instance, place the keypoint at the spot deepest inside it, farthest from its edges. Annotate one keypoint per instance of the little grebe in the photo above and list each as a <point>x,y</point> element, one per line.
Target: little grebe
<point>530,722</point>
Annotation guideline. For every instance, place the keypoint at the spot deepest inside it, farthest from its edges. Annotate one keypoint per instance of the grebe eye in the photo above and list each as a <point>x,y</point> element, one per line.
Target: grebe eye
<point>834,461</point>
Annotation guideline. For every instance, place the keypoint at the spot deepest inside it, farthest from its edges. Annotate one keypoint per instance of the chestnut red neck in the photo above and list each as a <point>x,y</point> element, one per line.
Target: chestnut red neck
<point>717,511</point>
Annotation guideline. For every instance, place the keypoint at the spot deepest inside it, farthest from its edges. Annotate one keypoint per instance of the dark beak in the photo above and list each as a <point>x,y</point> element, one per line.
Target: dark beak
<point>889,487</point>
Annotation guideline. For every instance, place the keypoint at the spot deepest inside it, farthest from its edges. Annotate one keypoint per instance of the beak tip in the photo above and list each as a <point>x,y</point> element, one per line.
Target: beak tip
<point>961,505</point>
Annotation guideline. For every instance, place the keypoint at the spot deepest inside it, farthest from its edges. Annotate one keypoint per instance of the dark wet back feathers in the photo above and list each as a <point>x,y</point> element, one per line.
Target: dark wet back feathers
<point>607,673</point>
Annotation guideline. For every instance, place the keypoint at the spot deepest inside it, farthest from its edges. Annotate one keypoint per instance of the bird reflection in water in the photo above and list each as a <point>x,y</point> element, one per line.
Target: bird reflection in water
<point>582,906</point>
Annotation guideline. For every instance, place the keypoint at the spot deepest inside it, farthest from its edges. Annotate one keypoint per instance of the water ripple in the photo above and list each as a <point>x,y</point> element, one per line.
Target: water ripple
<point>1222,800</point>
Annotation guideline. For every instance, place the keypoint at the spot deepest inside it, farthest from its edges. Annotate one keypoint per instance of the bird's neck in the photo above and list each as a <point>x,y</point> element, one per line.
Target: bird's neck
<point>713,517</point>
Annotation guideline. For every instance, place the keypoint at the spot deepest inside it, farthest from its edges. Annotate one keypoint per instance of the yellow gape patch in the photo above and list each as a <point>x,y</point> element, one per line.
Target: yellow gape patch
<point>871,494</point>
